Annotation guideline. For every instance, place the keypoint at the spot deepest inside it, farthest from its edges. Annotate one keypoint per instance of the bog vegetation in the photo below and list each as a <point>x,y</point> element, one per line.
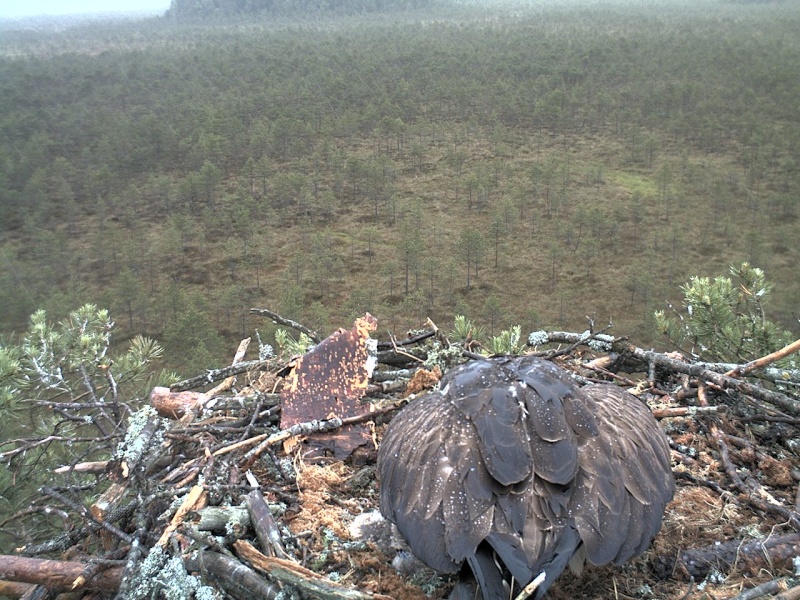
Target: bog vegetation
<point>517,164</point>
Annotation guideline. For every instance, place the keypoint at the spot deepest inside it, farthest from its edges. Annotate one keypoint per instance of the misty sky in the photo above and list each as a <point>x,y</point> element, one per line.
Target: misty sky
<point>21,8</point>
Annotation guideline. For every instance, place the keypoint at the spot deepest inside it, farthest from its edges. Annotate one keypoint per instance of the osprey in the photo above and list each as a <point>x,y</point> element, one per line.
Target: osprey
<point>510,472</point>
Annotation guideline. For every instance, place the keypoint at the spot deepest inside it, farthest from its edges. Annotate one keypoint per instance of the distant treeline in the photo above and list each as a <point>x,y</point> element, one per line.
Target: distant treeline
<point>227,8</point>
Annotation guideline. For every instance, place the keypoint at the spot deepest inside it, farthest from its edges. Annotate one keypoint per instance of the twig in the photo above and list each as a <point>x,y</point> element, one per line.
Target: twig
<point>313,584</point>
<point>213,375</point>
<point>237,358</point>
<point>241,444</point>
<point>397,350</point>
<point>686,411</point>
<point>276,318</point>
<point>307,428</point>
<point>765,360</point>
<point>770,587</point>
<point>30,443</point>
<point>393,343</point>
<point>598,368</point>
<point>528,590</point>
<point>285,434</point>
<point>84,512</point>
<point>98,466</point>
<point>195,499</point>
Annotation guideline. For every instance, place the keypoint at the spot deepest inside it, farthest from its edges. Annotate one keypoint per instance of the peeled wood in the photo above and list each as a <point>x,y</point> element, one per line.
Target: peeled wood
<point>295,574</point>
<point>173,405</point>
<point>98,466</point>
<point>791,594</point>
<point>684,411</point>
<point>765,360</point>
<point>237,358</point>
<point>57,574</point>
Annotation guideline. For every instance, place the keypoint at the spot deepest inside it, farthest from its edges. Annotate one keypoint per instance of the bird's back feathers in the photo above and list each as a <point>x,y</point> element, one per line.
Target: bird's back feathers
<point>511,467</point>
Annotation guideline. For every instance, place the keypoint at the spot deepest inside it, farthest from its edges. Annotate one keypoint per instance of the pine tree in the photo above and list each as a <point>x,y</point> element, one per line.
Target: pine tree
<point>724,318</point>
<point>64,399</point>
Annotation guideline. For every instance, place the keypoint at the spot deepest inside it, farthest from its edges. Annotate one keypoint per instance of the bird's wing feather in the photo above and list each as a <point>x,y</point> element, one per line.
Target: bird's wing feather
<point>624,480</point>
<point>412,475</point>
<point>429,488</point>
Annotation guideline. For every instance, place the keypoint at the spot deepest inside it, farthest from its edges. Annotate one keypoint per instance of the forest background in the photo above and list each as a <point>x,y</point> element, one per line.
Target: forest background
<point>528,164</point>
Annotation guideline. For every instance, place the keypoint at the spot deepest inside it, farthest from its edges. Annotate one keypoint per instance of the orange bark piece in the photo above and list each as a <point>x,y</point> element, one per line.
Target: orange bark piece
<point>331,379</point>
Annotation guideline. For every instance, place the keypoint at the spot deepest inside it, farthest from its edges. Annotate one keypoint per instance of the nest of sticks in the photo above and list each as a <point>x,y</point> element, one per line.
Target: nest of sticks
<point>214,494</point>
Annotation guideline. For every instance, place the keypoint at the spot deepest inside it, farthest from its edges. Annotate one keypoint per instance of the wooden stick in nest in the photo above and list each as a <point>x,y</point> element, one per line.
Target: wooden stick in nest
<point>57,574</point>
<point>279,320</point>
<point>765,360</point>
<point>759,591</point>
<point>237,580</point>
<point>756,553</point>
<point>755,496</point>
<point>287,571</point>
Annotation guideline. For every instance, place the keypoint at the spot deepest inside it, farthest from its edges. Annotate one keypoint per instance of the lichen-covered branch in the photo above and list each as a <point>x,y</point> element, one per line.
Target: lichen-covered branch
<point>279,320</point>
<point>213,375</point>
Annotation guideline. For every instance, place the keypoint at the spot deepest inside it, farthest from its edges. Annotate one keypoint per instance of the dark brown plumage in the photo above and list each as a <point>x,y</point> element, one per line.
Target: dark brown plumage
<point>511,469</point>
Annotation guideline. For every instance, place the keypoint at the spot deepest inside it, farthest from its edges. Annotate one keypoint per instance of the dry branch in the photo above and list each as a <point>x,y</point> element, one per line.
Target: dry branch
<point>759,591</point>
<point>238,581</point>
<point>97,466</point>
<point>777,399</point>
<point>57,574</point>
<point>213,375</point>
<point>770,552</point>
<point>409,341</point>
<point>264,524</point>
<point>279,320</point>
<point>686,411</point>
<point>195,500</point>
<point>292,573</point>
<point>765,360</point>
